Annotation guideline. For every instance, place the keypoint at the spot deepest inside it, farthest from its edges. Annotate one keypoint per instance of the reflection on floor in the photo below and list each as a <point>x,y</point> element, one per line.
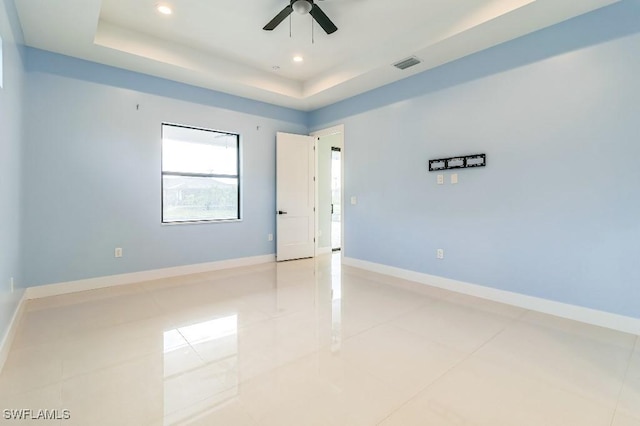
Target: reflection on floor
<point>313,343</point>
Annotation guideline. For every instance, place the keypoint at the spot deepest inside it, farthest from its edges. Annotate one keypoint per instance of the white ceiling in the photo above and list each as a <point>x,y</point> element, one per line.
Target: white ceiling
<point>220,44</point>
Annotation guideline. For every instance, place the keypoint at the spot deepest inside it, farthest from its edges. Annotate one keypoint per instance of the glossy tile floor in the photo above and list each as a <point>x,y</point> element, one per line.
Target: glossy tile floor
<point>311,343</point>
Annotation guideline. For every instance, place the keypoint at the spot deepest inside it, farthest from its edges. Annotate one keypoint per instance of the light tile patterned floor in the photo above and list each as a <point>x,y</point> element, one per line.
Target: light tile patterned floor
<point>313,343</point>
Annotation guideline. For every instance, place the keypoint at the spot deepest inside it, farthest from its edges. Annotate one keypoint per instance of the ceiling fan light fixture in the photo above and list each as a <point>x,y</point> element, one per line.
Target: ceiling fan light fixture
<point>302,6</point>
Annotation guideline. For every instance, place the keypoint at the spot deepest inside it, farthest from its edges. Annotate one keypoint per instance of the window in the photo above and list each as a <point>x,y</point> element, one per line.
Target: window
<point>200,175</point>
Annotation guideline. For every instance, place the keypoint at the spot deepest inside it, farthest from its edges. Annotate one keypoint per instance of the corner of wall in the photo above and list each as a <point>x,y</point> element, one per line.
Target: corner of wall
<point>7,338</point>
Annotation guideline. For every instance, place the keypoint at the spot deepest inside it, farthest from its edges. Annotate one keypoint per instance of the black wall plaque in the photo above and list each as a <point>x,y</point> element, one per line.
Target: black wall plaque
<point>476,160</point>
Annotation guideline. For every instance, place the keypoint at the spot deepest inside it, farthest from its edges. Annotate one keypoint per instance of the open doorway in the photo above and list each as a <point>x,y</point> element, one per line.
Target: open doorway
<point>336,198</point>
<point>329,190</point>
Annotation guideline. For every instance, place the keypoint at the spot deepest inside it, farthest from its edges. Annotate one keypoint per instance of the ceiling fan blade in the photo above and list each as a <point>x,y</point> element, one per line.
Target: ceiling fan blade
<point>322,19</point>
<point>279,18</point>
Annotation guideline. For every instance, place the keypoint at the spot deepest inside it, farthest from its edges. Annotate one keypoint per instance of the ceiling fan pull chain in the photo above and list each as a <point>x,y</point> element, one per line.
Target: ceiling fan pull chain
<point>289,26</point>
<point>313,40</point>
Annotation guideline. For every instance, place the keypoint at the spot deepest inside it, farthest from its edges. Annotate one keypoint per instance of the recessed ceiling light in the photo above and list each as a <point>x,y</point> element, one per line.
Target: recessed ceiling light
<point>164,9</point>
<point>298,58</point>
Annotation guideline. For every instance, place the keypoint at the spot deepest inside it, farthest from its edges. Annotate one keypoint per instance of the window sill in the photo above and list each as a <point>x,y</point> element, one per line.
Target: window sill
<point>198,222</point>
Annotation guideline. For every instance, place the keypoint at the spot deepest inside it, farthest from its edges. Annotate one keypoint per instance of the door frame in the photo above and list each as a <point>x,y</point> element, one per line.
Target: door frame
<point>338,129</point>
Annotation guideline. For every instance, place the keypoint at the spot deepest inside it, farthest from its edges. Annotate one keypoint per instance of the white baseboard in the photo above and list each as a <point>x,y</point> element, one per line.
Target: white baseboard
<point>136,277</point>
<point>564,310</point>
<point>5,343</point>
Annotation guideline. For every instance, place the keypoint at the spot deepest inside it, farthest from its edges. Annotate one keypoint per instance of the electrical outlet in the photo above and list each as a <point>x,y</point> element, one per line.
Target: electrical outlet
<point>270,237</point>
<point>454,178</point>
<point>440,254</point>
<point>440,179</point>
<point>12,285</point>
<point>354,200</point>
<point>118,252</point>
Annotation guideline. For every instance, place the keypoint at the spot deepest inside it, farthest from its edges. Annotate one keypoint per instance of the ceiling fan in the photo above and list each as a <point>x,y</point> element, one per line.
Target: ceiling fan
<point>303,7</point>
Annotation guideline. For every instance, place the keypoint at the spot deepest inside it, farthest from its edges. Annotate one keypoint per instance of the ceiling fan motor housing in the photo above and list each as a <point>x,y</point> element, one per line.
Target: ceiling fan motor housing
<point>301,6</point>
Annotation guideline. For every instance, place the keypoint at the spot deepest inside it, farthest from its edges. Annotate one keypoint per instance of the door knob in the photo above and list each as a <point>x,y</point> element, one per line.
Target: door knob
<point>281,212</point>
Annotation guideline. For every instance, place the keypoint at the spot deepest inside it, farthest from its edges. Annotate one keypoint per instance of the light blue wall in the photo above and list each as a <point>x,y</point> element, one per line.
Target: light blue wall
<point>92,172</point>
<point>10,161</point>
<point>556,213</point>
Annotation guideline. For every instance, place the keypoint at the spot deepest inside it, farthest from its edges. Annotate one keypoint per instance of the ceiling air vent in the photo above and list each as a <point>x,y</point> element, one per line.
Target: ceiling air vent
<point>406,63</point>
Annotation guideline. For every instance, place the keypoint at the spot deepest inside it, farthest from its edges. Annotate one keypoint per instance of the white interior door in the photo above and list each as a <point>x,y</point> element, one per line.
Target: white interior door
<point>295,196</point>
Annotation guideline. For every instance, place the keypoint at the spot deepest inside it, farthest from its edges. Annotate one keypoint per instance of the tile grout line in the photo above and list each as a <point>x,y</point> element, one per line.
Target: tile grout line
<point>508,322</point>
<point>395,317</point>
<point>456,365</point>
<point>624,381</point>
